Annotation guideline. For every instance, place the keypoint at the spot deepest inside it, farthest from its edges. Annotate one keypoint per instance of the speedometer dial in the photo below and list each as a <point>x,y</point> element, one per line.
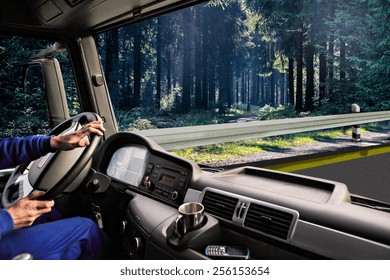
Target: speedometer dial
<point>128,164</point>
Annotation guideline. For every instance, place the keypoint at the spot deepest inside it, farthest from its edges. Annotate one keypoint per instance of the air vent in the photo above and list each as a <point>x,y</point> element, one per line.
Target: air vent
<point>268,220</point>
<point>219,205</point>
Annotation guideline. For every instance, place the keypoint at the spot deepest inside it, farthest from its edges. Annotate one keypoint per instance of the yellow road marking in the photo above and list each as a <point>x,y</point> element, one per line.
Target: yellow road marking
<point>317,162</point>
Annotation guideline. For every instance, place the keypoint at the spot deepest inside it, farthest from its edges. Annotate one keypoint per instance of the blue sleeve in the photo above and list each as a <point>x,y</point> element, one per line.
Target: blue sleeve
<point>18,150</point>
<point>6,223</point>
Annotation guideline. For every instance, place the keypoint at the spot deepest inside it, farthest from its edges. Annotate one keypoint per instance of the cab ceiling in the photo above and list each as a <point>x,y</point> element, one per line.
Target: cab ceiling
<point>79,15</point>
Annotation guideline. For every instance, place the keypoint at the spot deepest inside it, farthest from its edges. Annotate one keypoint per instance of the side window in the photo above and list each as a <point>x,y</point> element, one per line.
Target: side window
<point>23,104</point>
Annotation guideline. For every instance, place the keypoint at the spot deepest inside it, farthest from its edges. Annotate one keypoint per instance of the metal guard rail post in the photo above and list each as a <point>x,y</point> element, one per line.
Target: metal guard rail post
<point>192,136</point>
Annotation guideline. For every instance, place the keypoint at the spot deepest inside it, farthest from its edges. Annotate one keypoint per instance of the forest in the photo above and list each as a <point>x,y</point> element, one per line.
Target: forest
<point>23,109</point>
<point>303,56</point>
<point>273,58</point>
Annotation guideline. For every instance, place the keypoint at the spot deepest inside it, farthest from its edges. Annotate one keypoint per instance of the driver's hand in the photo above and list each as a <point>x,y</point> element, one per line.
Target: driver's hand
<point>26,210</point>
<point>77,139</point>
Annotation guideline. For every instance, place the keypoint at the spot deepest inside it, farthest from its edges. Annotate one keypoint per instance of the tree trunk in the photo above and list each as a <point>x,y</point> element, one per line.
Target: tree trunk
<point>262,99</point>
<point>331,55</point>
<point>291,92</point>
<point>158,64</point>
<point>255,88</point>
<point>211,82</point>
<point>282,89</point>
<point>137,65</point>
<point>205,46</point>
<point>299,58</point>
<point>272,88</point>
<point>330,66</point>
<point>309,94</point>
<point>342,60</point>
<point>242,97</point>
<point>169,71</point>
<point>186,101</point>
<point>198,59</point>
<point>322,74</point>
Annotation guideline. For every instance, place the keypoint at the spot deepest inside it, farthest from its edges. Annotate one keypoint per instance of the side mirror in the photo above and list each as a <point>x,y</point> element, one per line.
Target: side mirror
<point>35,106</point>
<point>44,91</point>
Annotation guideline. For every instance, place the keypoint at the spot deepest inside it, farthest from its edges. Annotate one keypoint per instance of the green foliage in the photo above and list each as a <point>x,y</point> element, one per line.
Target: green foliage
<point>26,114</point>
<point>240,49</point>
<point>148,118</point>
<point>376,126</point>
<point>268,113</point>
<point>170,101</point>
<point>364,26</point>
<point>245,46</point>
<point>223,4</point>
<point>10,77</point>
<point>140,124</point>
<point>328,108</point>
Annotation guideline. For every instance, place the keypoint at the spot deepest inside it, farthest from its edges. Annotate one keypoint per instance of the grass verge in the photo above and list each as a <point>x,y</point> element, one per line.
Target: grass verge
<point>224,151</point>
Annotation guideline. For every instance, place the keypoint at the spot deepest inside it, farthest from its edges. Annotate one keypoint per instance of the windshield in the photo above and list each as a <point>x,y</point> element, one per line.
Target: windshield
<point>227,62</point>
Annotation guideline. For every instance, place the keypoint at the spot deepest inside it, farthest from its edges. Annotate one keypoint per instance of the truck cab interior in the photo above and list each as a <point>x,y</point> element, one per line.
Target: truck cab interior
<point>137,185</point>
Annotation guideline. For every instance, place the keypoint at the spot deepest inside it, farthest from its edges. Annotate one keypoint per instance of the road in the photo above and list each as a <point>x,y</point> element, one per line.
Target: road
<point>366,174</point>
<point>368,139</point>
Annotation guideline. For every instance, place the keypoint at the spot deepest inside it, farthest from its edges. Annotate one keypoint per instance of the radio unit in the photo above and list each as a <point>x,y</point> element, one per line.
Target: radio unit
<point>166,182</point>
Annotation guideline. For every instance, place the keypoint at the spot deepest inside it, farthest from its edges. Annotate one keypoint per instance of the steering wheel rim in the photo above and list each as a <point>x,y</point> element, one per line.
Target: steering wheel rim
<point>55,172</point>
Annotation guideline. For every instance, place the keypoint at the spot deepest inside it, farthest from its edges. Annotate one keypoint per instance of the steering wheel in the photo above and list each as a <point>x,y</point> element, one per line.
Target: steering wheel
<point>55,173</point>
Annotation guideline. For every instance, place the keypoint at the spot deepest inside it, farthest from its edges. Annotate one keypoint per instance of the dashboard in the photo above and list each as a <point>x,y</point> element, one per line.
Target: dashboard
<point>275,214</point>
<point>143,166</point>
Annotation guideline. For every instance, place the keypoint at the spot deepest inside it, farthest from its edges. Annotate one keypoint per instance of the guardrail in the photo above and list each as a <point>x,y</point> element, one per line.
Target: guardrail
<point>192,136</point>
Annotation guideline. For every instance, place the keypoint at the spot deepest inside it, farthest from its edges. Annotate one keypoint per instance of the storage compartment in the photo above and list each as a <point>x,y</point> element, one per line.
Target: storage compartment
<point>296,186</point>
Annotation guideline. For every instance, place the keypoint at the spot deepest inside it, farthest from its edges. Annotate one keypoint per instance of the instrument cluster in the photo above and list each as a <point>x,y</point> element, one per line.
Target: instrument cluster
<point>153,172</point>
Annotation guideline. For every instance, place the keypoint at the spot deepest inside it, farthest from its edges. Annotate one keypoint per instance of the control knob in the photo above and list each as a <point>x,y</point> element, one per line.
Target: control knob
<point>146,182</point>
<point>174,195</point>
<point>136,245</point>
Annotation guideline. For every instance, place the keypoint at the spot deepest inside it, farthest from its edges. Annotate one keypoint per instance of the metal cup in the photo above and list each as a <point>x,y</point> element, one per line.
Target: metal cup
<point>191,217</point>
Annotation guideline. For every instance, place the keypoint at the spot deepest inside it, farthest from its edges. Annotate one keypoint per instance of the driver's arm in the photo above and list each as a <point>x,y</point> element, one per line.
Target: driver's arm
<point>18,150</point>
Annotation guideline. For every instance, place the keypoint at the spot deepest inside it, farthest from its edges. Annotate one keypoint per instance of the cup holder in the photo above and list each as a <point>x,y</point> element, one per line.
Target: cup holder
<point>209,232</point>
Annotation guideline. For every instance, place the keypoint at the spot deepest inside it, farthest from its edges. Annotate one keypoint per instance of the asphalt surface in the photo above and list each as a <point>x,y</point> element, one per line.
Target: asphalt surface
<point>366,176</point>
